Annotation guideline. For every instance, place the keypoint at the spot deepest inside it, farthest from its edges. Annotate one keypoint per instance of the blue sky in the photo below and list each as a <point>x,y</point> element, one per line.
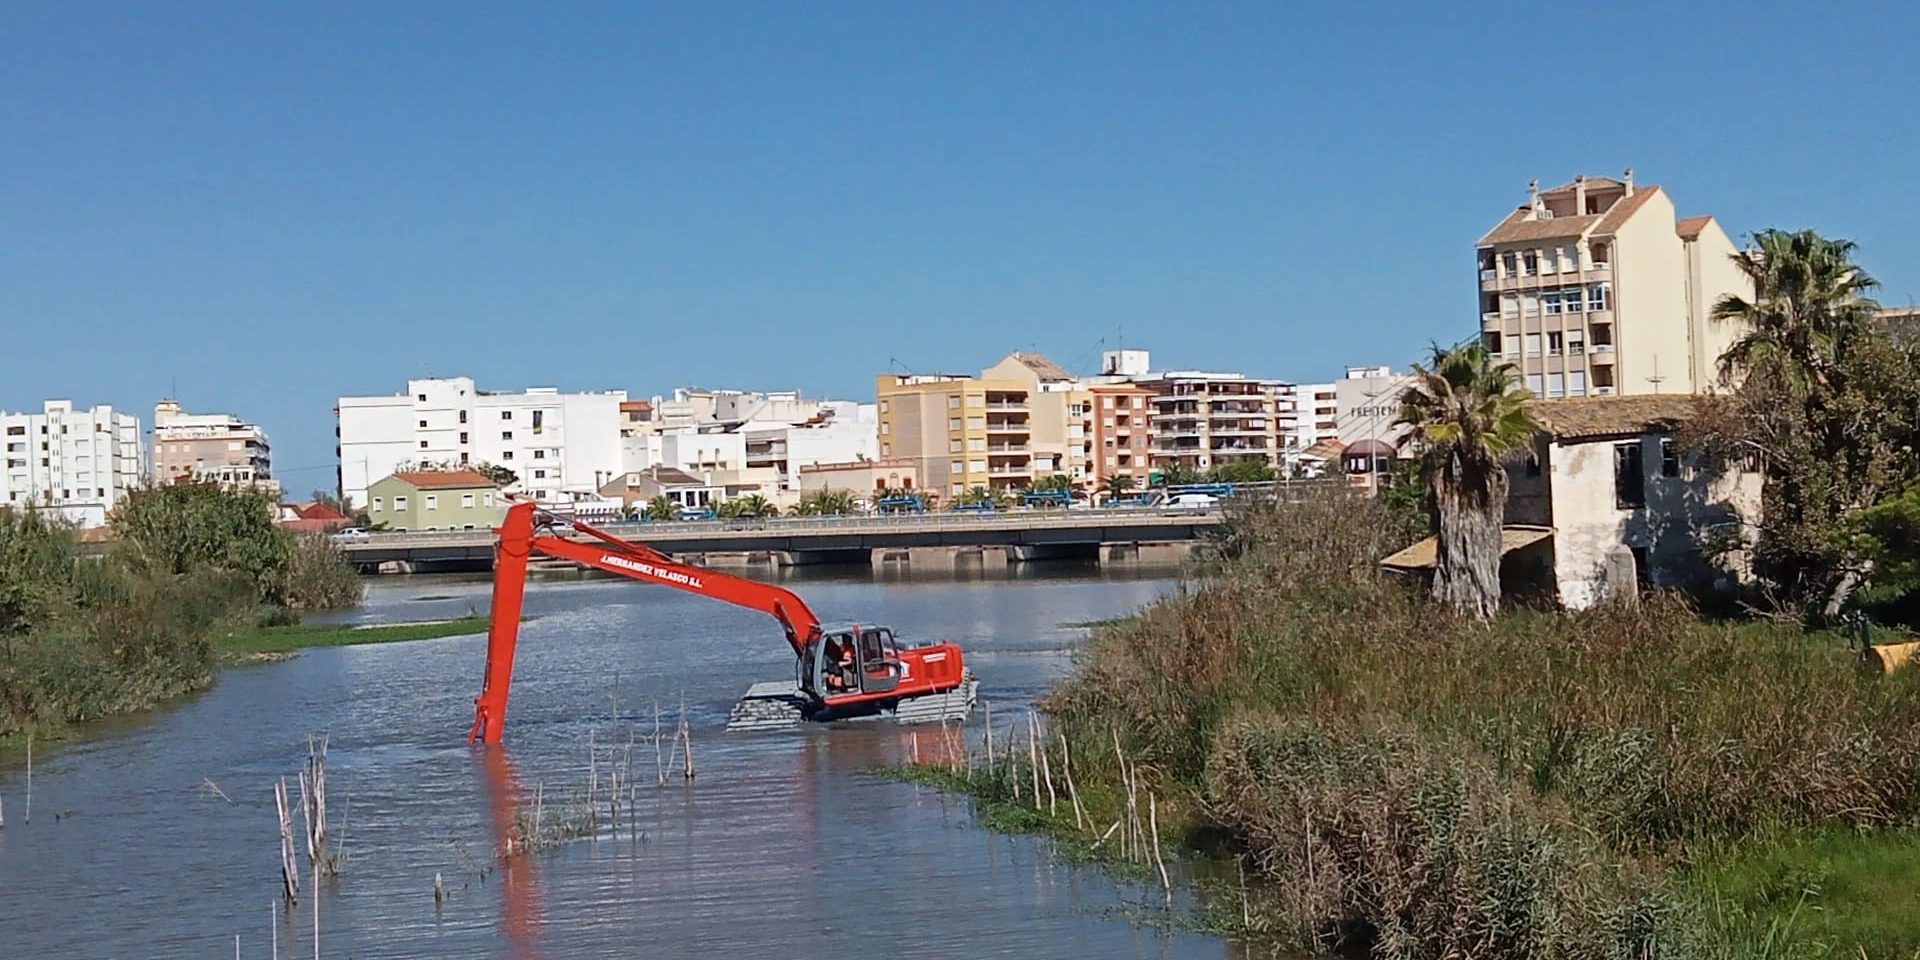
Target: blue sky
<point>273,205</point>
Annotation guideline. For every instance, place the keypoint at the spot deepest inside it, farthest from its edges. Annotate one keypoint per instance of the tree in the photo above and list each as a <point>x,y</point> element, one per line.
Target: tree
<point>1467,414</point>
<point>825,503</point>
<point>501,476</point>
<point>662,507</point>
<point>1174,474</point>
<point>753,505</point>
<point>1826,403</point>
<point>1251,470</point>
<point>978,496</point>
<point>1119,485</point>
<point>177,529</point>
<point>1052,482</point>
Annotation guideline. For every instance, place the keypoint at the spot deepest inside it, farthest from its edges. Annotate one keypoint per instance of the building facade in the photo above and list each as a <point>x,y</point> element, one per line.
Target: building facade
<point>960,431</point>
<point>561,446</point>
<point>1202,420</point>
<point>210,448</point>
<point>1596,288</point>
<point>1120,434</point>
<point>1626,504</point>
<point>1060,407</point>
<point>861,477</point>
<point>436,500</point>
<point>79,464</point>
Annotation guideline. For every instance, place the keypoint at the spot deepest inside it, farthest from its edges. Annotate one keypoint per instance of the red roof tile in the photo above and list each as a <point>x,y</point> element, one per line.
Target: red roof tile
<point>443,479</point>
<point>1689,229</point>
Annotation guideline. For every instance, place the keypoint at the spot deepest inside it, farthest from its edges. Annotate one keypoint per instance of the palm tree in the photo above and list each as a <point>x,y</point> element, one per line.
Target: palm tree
<point>825,503</point>
<point>1807,297</point>
<point>662,508</point>
<point>1468,414</point>
<point>753,505</point>
<point>1119,485</point>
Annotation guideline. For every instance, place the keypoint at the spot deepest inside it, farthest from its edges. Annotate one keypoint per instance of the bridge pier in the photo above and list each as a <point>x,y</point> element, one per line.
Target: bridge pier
<point>941,559</point>
<point>1041,552</point>
<point>1149,554</point>
<point>811,558</point>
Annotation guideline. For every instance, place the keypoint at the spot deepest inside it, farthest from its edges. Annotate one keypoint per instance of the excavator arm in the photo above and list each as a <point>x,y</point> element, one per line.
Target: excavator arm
<point>522,537</point>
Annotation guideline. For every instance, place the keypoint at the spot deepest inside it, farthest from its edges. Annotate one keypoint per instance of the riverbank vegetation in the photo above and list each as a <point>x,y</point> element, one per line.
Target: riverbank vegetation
<point>123,624</point>
<point>1438,776</point>
<point>285,638</point>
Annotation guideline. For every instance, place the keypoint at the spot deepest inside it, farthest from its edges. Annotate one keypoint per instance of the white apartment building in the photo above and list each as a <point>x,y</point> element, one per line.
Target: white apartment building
<point>1595,287</point>
<point>746,439</point>
<point>210,448</point>
<point>562,446</point>
<point>80,463</point>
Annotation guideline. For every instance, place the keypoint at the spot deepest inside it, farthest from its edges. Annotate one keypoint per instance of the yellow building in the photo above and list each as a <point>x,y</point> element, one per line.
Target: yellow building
<point>1595,288</point>
<point>959,431</point>
<point>1062,413</point>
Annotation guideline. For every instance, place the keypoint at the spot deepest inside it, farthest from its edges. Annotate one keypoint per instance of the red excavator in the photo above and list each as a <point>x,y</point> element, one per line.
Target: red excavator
<point>842,673</point>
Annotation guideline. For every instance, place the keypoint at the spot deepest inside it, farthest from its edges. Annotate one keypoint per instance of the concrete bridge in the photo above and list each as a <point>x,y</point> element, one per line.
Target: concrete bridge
<point>939,540</point>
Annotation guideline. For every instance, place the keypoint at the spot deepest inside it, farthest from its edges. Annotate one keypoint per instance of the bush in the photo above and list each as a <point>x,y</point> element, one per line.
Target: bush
<point>319,577</point>
<point>1425,782</point>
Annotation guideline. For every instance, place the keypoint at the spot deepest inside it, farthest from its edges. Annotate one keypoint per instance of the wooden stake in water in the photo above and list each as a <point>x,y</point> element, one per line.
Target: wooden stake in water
<point>273,928</point>
<point>659,765</point>
<point>289,865</point>
<point>989,706</point>
<point>28,819</point>
<point>1073,793</point>
<point>1153,818</point>
<point>1033,760</point>
<point>686,735</point>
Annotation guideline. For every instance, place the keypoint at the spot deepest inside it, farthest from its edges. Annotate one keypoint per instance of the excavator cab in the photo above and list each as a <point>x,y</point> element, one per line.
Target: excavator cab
<point>852,661</point>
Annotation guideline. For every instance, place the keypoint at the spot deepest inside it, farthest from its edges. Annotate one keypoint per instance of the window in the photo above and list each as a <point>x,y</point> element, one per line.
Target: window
<point>466,499</point>
<point>433,501</point>
<point>463,416</point>
<point>977,444</point>
<point>536,420</point>
<point>1576,342</point>
<point>957,466</point>
<point>1529,304</point>
<point>1107,402</point>
<point>1552,301</point>
<point>1491,340</point>
<point>976,423</point>
<point>1556,385</point>
<point>1530,263</point>
<point>885,428</point>
<point>1669,458</point>
<point>976,466</point>
<point>886,449</point>
<point>1629,479</point>
<point>463,438</point>
<point>399,503</point>
<point>421,397</point>
<point>1510,306</point>
<point>1599,297</point>
<point>539,454</point>
<point>506,414</point>
<point>1576,383</point>
<point>506,434</point>
<point>976,399</point>
<point>486,499</point>
<point>953,402</point>
<point>953,423</point>
<point>423,444</point>
<point>1510,263</point>
<point>1571,301</point>
<point>423,424</point>
<point>883,406</point>
<point>539,474</point>
<point>953,446</point>
<point>1533,344</point>
<point>506,454</point>
<point>1554,341</point>
<point>1534,383</point>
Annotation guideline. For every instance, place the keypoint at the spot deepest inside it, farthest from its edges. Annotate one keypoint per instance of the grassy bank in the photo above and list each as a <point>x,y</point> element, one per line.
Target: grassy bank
<point>281,639</point>
<point>1630,781</point>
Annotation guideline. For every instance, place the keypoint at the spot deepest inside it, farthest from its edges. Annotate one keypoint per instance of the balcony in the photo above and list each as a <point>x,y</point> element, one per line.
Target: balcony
<point>1015,405</point>
<point>1008,426</point>
<point>1602,353</point>
<point>1605,391</point>
<point>1002,449</point>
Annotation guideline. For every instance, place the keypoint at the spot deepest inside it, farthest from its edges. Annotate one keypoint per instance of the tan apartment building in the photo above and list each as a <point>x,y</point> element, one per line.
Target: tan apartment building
<point>1121,430</point>
<point>1595,287</point>
<point>959,431</point>
<point>215,448</point>
<point>1061,407</point>
<point>1202,420</point>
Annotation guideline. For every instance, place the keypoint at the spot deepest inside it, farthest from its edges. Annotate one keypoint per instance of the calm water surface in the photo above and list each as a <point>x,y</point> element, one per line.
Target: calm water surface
<point>786,845</point>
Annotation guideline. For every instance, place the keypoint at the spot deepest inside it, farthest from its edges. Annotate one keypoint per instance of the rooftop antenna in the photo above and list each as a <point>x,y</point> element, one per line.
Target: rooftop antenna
<point>1656,379</point>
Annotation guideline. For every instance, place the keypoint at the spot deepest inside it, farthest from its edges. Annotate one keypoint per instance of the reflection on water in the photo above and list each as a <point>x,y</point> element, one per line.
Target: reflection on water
<point>785,845</point>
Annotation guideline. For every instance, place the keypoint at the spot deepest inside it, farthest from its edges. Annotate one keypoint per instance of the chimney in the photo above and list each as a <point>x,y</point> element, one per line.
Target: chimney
<point>1629,181</point>
<point>1533,199</point>
<point>1579,194</point>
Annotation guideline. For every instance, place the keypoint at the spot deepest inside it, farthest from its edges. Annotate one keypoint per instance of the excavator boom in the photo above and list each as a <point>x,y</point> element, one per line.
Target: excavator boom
<point>522,537</point>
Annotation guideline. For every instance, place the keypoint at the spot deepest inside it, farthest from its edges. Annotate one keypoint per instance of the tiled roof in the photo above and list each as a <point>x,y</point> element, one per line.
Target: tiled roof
<point>318,511</point>
<point>1519,227</point>
<point>635,406</point>
<point>1626,207</point>
<point>443,479</point>
<point>1325,450</point>
<point>671,476</point>
<point>1593,184</point>
<point>1042,367</point>
<point>1689,229</point>
<point>1593,417</point>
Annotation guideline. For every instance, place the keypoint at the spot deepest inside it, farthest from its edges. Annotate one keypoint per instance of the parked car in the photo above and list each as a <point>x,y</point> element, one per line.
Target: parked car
<point>350,533</point>
<point>1194,501</point>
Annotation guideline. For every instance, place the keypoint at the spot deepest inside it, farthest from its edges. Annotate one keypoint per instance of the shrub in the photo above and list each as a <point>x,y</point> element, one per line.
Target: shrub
<point>319,576</point>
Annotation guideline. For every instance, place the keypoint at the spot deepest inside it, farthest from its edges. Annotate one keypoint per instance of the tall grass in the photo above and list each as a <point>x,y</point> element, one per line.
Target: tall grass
<point>1428,786</point>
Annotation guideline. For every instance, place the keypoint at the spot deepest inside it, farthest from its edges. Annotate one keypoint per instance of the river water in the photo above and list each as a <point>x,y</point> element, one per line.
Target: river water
<point>785,844</point>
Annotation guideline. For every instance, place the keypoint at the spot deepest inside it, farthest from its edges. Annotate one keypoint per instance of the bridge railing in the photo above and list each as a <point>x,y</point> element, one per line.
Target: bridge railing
<point>1010,520</point>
